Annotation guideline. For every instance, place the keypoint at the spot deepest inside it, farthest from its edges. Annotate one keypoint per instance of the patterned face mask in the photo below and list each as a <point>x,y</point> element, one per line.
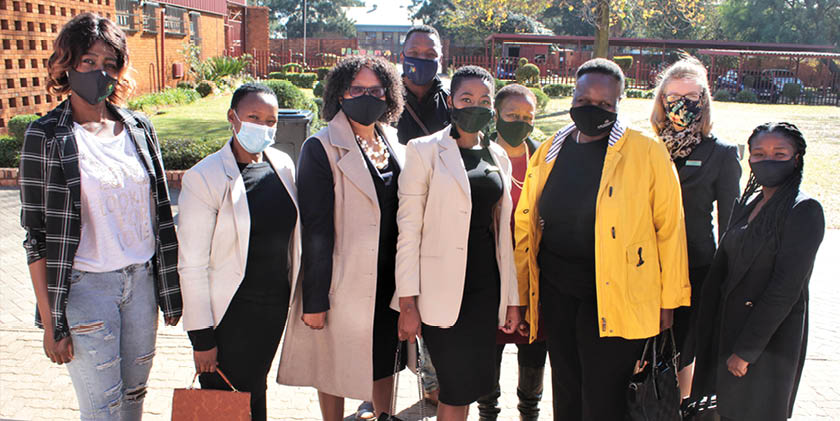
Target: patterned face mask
<point>683,111</point>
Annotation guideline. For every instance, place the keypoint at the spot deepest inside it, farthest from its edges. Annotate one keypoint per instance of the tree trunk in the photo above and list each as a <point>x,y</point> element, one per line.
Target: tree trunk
<point>602,30</point>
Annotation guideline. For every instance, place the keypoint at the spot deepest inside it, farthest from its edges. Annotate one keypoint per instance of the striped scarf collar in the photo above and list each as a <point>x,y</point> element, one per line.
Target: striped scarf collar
<point>617,131</point>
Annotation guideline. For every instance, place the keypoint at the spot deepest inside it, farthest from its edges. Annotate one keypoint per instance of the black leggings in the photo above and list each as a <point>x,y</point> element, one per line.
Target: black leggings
<point>247,339</point>
<point>589,374</point>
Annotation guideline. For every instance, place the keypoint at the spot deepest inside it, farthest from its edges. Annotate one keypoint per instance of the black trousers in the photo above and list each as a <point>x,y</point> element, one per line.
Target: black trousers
<point>589,374</point>
<point>247,339</point>
<point>529,355</point>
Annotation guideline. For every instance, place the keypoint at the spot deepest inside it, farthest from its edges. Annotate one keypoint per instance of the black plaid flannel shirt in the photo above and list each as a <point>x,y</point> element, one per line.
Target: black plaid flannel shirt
<point>50,197</point>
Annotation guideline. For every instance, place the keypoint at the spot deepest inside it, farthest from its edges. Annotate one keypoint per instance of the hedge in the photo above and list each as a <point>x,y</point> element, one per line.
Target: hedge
<point>18,125</point>
<point>624,62</point>
<point>290,96</point>
<point>291,67</point>
<point>792,91</point>
<point>182,154</point>
<point>542,99</point>
<point>639,93</point>
<point>205,88</point>
<point>169,96</point>
<point>301,80</point>
<point>319,88</point>
<point>322,72</point>
<point>559,89</point>
<point>528,74</point>
<point>747,95</point>
<point>10,152</point>
<point>722,95</point>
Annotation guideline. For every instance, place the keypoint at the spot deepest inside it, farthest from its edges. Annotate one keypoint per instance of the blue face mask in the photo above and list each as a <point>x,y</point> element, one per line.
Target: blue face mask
<point>254,138</point>
<point>420,71</point>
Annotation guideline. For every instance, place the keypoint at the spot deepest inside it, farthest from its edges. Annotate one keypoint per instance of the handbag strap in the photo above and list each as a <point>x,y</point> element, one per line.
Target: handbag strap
<point>222,375</point>
<point>397,361</point>
<point>416,119</point>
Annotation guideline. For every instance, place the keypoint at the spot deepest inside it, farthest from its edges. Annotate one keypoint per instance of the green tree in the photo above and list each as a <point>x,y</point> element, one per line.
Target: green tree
<point>782,21</point>
<point>322,16</point>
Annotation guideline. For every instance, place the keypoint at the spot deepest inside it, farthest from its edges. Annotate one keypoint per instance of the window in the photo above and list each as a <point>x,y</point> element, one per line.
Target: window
<point>125,14</point>
<point>21,63</point>
<point>150,23</point>
<point>195,37</point>
<point>174,21</point>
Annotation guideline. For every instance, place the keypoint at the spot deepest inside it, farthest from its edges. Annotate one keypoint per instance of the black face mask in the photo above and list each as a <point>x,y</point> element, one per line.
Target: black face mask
<point>472,119</point>
<point>93,86</point>
<point>593,121</point>
<point>364,109</point>
<point>771,173</point>
<point>513,132</point>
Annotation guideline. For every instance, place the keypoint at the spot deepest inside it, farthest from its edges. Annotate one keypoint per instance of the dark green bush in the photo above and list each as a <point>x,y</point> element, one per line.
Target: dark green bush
<point>792,91</point>
<point>205,88</point>
<point>290,96</point>
<point>318,90</point>
<point>290,68</point>
<point>722,95</point>
<point>542,99</point>
<point>10,152</point>
<point>639,93</point>
<point>322,72</point>
<point>528,74</point>
<point>624,62</point>
<point>522,61</point>
<point>809,95</point>
<point>18,125</point>
<point>301,80</point>
<point>747,95</point>
<point>559,89</point>
<point>185,85</point>
<point>182,154</point>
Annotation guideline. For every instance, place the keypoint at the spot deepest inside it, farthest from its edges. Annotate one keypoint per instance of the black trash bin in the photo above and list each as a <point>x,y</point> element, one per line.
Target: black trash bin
<point>292,130</point>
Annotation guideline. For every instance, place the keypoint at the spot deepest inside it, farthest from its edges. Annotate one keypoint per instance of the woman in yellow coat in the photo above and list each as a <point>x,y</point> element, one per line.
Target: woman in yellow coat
<point>600,244</point>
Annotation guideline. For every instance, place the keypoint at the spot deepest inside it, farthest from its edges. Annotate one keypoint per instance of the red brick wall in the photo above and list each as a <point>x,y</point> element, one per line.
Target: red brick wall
<point>256,29</point>
<point>27,32</point>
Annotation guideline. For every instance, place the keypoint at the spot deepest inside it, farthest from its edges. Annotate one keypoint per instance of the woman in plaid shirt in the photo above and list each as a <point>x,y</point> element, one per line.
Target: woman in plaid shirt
<point>100,239</point>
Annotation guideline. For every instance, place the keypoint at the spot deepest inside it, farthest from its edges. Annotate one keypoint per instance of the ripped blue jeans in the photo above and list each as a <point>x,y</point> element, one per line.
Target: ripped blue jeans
<point>113,325</point>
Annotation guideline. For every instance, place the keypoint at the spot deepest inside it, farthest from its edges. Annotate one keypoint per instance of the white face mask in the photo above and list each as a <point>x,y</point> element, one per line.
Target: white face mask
<point>254,138</point>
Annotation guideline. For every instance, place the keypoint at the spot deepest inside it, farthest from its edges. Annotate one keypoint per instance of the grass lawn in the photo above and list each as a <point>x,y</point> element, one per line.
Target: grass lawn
<point>733,122</point>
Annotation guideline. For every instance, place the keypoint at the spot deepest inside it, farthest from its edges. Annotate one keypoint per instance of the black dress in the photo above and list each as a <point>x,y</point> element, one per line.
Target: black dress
<point>316,198</point>
<point>250,331</point>
<point>465,354</point>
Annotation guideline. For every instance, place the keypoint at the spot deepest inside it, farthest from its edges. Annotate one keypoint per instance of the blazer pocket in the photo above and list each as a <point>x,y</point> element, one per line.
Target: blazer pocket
<point>643,273</point>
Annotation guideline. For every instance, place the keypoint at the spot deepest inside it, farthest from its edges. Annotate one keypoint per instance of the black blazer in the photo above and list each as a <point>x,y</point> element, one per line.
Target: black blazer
<point>711,174</point>
<point>758,309</point>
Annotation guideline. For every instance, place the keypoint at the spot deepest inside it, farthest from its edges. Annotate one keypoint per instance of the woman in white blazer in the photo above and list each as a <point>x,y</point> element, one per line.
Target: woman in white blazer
<point>342,335</point>
<point>239,253</point>
<point>456,281</point>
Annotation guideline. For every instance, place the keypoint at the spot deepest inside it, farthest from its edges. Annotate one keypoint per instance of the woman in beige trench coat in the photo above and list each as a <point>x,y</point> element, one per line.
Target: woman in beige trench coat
<point>342,336</point>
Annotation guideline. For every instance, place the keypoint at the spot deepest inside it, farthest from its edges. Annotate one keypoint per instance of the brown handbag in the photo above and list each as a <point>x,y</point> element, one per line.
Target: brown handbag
<point>193,404</point>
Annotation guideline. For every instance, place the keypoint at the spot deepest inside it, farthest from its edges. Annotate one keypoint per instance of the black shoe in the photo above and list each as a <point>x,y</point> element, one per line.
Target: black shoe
<point>530,391</point>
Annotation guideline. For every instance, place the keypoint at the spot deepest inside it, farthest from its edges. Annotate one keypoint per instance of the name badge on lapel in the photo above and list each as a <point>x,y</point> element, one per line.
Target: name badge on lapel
<point>693,163</point>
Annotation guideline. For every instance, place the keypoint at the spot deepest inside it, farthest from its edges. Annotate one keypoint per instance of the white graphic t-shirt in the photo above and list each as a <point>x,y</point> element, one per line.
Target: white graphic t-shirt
<point>116,204</point>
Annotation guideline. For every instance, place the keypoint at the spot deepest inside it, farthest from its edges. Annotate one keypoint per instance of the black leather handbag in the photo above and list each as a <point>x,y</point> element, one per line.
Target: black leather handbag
<point>653,393</point>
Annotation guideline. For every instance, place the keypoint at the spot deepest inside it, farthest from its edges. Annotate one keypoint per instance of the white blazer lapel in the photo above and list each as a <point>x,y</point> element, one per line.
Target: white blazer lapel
<point>351,163</point>
<point>239,199</point>
<point>451,158</point>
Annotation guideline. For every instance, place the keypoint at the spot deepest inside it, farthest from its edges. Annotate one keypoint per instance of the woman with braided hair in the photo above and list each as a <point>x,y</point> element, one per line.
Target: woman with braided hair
<point>752,324</point>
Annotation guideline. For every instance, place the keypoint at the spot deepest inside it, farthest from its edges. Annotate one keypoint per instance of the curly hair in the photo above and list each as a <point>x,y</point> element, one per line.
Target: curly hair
<point>75,39</point>
<point>342,75</point>
<point>768,223</point>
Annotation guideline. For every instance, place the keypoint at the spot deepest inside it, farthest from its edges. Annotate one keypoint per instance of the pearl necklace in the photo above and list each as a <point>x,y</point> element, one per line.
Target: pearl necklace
<point>378,157</point>
<point>517,183</point>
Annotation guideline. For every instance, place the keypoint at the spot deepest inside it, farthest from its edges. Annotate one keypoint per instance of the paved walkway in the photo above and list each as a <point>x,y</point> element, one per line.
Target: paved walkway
<point>32,388</point>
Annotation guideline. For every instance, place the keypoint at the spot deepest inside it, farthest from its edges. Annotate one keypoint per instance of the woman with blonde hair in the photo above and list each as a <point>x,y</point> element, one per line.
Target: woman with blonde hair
<point>709,172</point>
<point>100,240</point>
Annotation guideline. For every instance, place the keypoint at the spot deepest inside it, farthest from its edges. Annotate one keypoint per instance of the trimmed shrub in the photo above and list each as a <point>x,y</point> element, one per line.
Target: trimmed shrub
<point>528,74</point>
<point>301,80</point>
<point>319,88</point>
<point>182,154</point>
<point>639,93</point>
<point>169,96</point>
<point>792,91</point>
<point>624,62</point>
<point>205,88</point>
<point>722,95</point>
<point>10,152</point>
<point>185,85</point>
<point>291,68</point>
<point>522,61</point>
<point>809,95</point>
<point>18,125</point>
<point>747,95</point>
<point>290,96</point>
<point>542,99</point>
<point>559,89</point>
<point>322,72</point>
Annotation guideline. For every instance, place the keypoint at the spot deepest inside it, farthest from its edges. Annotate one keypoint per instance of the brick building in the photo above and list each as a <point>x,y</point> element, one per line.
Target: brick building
<point>157,34</point>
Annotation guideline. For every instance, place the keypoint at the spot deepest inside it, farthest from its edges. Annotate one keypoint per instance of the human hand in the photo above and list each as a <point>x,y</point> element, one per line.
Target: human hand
<point>512,320</point>
<point>58,352</point>
<point>524,328</point>
<point>172,320</point>
<point>315,321</point>
<point>409,324</point>
<point>737,366</point>
<point>205,361</point>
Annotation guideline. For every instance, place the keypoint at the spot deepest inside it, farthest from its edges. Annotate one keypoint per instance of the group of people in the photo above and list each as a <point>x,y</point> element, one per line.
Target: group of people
<point>405,221</point>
